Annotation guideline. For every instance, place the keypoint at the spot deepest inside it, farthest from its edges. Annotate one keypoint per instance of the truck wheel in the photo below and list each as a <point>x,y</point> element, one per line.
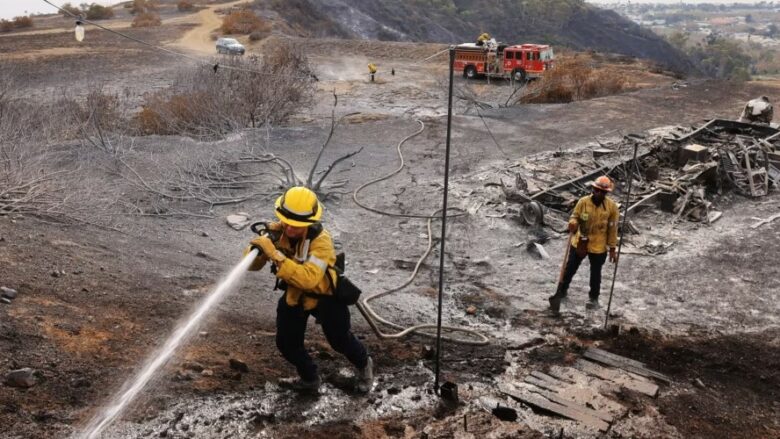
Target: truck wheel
<point>470,72</point>
<point>519,75</point>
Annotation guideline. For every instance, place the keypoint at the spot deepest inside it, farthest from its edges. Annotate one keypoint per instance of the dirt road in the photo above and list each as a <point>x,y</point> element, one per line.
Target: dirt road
<point>199,38</point>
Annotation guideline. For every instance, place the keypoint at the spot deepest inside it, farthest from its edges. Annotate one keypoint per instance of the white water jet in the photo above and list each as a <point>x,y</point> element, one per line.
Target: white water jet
<point>132,387</point>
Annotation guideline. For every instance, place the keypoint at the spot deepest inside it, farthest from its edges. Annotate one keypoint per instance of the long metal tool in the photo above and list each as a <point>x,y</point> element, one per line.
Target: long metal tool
<point>622,231</point>
<point>444,218</point>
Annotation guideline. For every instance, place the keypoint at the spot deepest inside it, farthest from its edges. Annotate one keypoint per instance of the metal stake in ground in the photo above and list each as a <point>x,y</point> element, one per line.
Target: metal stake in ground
<point>444,219</point>
<point>622,231</point>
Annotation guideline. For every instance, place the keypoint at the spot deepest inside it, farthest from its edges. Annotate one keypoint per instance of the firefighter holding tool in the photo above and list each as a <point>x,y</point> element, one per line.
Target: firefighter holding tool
<point>303,259</point>
<point>593,233</point>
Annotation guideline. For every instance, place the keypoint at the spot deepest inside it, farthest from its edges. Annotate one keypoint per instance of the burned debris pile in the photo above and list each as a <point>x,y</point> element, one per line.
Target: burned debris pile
<point>684,172</point>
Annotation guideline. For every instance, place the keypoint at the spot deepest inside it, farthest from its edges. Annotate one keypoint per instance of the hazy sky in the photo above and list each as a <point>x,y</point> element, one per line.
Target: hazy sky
<point>669,1</point>
<point>13,8</point>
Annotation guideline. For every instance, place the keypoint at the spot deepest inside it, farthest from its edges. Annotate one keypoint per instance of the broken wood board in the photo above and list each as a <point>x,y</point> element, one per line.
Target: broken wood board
<point>589,176</point>
<point>713,216</point>
<point>645,199</point>
<point>548,378</point>
<point>558,373</point>
<point>625,379</point>
<point>624,363</point>
<point>540,383</point>
<point>765,221</point>
<point>566,411</point>
<point>574,405</point>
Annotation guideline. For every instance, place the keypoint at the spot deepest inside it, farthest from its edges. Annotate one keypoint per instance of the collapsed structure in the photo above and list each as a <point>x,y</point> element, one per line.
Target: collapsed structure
<point>682,171</point>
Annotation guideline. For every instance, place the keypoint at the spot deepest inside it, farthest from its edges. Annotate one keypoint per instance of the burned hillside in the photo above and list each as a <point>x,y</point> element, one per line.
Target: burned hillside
<point>127,311</point>
<point>571,23</point>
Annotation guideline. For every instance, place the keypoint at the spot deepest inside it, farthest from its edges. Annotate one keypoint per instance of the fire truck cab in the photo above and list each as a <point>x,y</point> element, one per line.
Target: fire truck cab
<point>519,62</point>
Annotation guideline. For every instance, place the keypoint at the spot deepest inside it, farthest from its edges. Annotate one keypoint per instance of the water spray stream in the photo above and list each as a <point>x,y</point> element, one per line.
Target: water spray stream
<point>161,357</point>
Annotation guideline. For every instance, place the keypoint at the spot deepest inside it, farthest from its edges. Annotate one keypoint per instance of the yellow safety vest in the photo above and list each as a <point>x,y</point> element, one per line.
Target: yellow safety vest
<point>305,268</point>
<point>600,223</point>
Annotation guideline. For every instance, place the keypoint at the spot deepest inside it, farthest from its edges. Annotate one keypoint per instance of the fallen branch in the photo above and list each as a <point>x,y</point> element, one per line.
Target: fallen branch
<point>333,124</point>
<point>333,165</point>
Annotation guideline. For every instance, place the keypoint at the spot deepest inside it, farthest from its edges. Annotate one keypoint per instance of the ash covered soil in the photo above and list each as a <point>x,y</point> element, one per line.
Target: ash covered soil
<point>93,302</point>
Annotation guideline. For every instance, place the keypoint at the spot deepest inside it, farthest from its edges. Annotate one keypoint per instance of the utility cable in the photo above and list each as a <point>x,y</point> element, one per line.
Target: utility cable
<point>173,52</point>
<point>501,150</point>
<point>363,305</point>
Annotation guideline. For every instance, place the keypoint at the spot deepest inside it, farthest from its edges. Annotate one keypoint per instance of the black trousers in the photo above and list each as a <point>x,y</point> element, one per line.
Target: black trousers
<point>334,318</point>
<point>573,263</point>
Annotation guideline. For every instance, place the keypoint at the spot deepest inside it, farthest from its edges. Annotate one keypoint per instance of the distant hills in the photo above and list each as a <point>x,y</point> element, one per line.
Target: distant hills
<point>571,23</point>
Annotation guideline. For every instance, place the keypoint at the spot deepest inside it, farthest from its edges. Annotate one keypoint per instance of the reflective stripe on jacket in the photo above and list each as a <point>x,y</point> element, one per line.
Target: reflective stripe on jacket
<point>305,267</point>
<point>601,223</point>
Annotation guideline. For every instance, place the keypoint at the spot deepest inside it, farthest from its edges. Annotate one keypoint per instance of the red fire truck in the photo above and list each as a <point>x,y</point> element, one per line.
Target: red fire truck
<point>518,62</point>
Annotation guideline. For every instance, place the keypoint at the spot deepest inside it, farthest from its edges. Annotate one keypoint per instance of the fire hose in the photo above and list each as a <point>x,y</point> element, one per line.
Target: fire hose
<point>363,305</point>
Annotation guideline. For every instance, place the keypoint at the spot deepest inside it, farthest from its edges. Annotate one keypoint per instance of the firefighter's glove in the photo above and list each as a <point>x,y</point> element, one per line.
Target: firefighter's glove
<point>268,248</point>
<point>572,228</point>
<point>613,255</point>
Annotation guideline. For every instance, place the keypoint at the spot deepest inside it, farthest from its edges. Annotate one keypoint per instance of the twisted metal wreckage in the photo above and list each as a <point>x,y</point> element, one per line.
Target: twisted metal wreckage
<point>679,170</point>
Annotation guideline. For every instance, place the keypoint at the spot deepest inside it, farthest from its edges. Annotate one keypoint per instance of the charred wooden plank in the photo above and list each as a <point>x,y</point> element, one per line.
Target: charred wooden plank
<point>548,378</point>
<point>624,363</point>
<point>558,399</point>
<point>543,403</point>
<point>540,383</point>
<point>612,375</point>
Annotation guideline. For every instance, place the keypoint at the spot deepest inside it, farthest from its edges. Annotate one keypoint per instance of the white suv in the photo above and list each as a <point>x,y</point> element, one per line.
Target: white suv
<point>230,46</point>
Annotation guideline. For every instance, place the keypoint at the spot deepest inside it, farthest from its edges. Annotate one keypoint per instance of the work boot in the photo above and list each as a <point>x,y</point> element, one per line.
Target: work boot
<point>364,378</point>
<point>301,385</point>
<point>593,304</point>
<point>555,304</point>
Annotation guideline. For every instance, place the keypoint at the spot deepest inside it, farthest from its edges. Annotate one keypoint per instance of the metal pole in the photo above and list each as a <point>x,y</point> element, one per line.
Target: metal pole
<point>444,219</point>
<point>622,231</point>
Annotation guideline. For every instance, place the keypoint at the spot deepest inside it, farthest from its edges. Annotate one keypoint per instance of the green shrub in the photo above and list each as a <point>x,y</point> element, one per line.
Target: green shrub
<point>99,12</point>
<point>68,10</point>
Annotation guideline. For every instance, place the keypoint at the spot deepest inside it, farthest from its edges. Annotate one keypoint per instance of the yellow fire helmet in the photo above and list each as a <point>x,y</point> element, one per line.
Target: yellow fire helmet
<point>298,207</point>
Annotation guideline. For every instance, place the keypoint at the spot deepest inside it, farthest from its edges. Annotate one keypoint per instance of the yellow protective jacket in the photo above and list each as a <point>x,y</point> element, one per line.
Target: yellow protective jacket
<point>600,222</point>
<point>305,267</point>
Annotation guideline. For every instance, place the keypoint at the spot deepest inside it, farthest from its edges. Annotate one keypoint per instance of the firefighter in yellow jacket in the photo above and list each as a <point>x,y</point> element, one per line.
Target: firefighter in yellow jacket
<point>303,256</point>
<point>594,226</point>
